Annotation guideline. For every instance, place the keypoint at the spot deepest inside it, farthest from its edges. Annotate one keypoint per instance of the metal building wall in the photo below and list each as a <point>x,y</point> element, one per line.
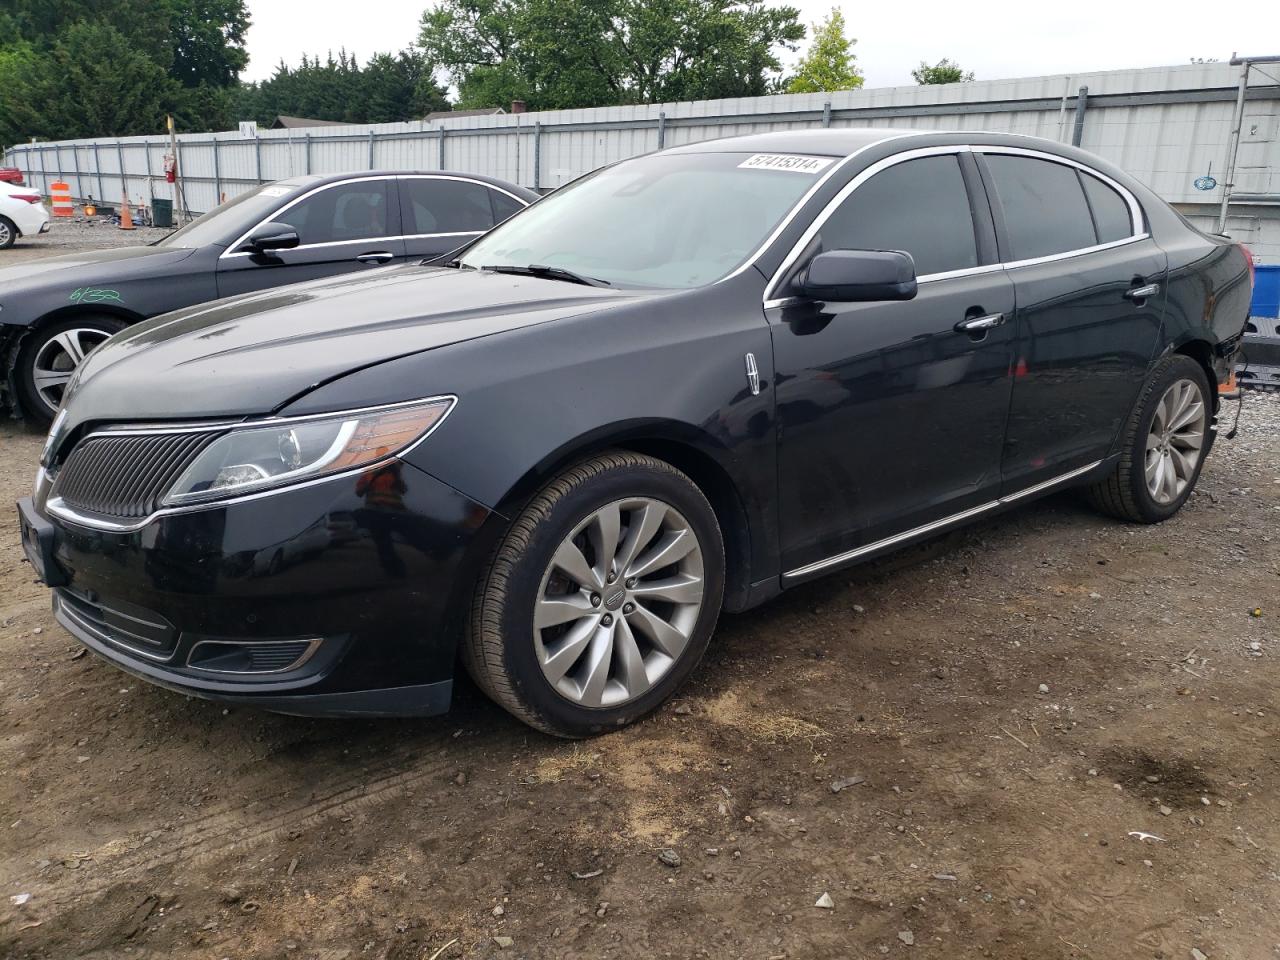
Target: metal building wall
<point>1165,125</point>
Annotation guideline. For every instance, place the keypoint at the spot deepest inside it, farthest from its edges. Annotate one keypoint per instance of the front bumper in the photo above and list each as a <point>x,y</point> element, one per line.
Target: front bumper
<point>309,600</point>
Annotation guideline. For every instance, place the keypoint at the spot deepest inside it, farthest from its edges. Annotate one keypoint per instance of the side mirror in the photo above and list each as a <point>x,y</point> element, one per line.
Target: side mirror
<point>271,236</point>
<point>858,276</point>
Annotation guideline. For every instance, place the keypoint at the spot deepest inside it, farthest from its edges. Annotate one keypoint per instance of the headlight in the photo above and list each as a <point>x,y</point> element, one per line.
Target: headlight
<point>257,457</point>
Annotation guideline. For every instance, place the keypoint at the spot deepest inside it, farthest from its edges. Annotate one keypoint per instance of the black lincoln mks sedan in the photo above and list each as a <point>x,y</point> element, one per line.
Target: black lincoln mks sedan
<point>680,385</point>
<point>55,311</point>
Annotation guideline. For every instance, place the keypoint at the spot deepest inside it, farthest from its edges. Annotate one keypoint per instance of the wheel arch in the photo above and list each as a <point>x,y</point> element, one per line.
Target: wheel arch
<point>694,452</point>
<point>13,335</point>
<point>111,311</point>
<point>1201,351</point>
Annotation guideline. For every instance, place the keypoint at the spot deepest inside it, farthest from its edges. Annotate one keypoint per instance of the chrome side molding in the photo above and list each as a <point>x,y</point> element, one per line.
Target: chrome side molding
<point>936,525</point>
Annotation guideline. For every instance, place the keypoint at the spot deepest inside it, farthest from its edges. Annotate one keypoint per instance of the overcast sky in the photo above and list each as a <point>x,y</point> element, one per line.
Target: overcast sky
<point>995,40</point>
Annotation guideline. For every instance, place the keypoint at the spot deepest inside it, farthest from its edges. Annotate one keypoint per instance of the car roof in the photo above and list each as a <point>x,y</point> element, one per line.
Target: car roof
<point>846,141</point>
<point>820,142</point>
<point>314,181</point>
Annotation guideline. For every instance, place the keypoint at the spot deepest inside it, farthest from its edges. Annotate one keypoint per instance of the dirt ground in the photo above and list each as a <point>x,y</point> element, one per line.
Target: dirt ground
<point>1024,701</point>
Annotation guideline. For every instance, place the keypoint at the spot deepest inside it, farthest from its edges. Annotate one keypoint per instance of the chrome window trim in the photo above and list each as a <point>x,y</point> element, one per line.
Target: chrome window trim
<point>1136,217</point>
<point>825,214</point>
<point>936,525</point>
<point>57,507</point>
<point>1050,258</point>
<point>426,236</point>
<point>809,194</point>
<point>228,254</point>
<point>1137,220</point>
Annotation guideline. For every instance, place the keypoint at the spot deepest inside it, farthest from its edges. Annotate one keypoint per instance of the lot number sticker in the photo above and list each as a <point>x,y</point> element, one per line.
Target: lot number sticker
<point>786,161</point>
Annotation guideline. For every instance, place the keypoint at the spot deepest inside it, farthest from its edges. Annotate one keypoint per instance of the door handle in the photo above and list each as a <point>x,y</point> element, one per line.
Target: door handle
<point>978,324</point>
<point>1142,292</point>
<point>380,256</point>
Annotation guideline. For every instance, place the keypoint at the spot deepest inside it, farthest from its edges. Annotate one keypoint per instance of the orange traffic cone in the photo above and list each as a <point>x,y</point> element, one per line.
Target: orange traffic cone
<point>126,215</point>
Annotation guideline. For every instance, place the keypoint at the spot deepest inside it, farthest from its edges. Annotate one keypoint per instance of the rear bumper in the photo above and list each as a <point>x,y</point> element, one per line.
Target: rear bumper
<point>33,220</point>
<point>308,601</point>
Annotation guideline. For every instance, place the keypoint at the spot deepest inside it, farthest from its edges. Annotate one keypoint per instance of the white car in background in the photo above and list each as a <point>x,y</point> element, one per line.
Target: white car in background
<point>22,214</point>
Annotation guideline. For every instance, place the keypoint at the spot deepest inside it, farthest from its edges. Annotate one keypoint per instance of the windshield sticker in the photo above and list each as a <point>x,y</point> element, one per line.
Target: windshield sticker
<point>786,161</point>
<point>94,295</point>
<point>274,191</point>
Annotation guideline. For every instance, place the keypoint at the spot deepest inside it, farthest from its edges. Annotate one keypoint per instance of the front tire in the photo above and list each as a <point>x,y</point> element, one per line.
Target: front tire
<point>1164,447</point>
<point>601,599</point>
<point>49,356</point>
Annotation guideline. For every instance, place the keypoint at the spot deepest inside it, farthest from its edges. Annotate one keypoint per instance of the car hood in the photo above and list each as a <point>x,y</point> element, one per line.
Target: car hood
<point>253,354</point>
<point>87,268</point>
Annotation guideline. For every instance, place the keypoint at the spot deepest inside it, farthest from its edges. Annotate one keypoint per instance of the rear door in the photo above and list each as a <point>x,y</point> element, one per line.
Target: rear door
<point>353,225</point>
<point>441,213</point>
<point>1090,286</point>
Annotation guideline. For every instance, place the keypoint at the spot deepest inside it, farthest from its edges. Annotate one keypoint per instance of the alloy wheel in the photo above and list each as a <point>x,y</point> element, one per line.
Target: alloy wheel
<point>6,234</point>
<point>618,602</point>
<point>57,359</point>
<point>1174,441</point>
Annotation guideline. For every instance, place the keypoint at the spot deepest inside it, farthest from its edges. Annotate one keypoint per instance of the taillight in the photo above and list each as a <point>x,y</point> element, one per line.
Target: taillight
<point>1248,258</point>
<point>35,198</point>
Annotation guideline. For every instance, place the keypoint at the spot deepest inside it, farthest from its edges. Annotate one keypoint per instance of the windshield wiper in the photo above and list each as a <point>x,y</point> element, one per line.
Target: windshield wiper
<point>548,273</point>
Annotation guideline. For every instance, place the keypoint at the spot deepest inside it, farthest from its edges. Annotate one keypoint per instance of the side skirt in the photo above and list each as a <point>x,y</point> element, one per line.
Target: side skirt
<point>870,550</point>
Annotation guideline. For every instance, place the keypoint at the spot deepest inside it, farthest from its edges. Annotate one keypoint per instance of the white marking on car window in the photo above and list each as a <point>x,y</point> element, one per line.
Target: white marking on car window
<point>786,161</point>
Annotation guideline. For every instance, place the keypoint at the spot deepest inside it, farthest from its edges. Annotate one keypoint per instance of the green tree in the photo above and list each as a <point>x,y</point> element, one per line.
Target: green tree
<point>17,61</point>
<point>944,71</point>
<point>388,88</point>
<point>830,64</point>
<point>93,82</point>
<point>177,56</point>
<point>145,22</point>
<point>208,38</point>
<point>582,53</point>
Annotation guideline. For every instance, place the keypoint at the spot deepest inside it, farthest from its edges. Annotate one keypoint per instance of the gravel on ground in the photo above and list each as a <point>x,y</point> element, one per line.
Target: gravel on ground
<point>1050,735</point>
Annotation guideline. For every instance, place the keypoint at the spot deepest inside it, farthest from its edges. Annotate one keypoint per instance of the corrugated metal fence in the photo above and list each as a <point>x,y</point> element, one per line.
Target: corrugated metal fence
<point>1167,126</point>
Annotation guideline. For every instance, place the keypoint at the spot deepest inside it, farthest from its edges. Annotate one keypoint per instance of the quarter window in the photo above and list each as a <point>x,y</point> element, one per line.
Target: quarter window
<point>919,206</point>
<point>446,206</point>
<point>1110,212</point>
<point>1044,206</point>
<point>349,211</point>
<point>504,206</point>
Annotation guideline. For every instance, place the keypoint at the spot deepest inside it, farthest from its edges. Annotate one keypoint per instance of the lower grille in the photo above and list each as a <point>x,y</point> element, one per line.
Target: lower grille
<point>126,475</point>
<point>138,631</point>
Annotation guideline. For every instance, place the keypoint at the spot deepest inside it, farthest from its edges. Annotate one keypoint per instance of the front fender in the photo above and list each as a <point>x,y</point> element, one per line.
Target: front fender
<point>533,399</point>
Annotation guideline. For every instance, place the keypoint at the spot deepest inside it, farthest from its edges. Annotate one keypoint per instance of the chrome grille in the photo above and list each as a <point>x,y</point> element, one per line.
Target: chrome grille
<point>126,475</point>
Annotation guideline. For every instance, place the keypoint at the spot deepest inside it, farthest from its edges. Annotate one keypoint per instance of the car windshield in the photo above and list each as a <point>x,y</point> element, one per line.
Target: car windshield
<point>672,221</point>
<point>223,224</point>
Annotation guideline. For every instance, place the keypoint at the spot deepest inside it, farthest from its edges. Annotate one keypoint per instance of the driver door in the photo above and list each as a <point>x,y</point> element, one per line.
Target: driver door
<point>891,416</point>
<point>343,227</point>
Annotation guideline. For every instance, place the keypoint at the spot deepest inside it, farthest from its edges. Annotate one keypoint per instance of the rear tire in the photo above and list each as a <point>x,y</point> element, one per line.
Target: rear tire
<point>1163,448</point>
<point>49,356</point>
<point>8,233</point>
<point>601,599</point>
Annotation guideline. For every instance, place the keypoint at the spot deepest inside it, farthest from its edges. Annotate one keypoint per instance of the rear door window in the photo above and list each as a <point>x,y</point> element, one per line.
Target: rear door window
<point>1044,206</point>
<point>919,206</point>
<point>1110,211</point>
<point>445,206</point>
